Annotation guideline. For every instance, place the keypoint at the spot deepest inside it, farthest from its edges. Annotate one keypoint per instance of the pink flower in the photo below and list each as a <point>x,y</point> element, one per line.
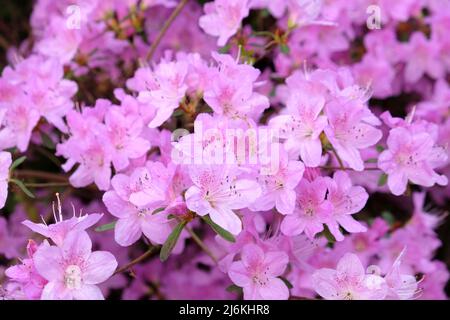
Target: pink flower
<point>401,286</point>
<point>312,209</point>
<point>164,89</point>
<point>73,270</point>
<point>133,200</point>
<point>223,18</point>
<point>410,156</point>
<point>59,230</point>
<point>303,124</point>
<point>124,132</point>
<point>257,273</point>
<point>26,275</point>
<point>5,163</point>
<point>423,58</point>
<point>17,121</point>
<point>349,131</point>
<point>348,282</point>
<point>217,192</point>
<point>346,200</point>
<point>278,189</point>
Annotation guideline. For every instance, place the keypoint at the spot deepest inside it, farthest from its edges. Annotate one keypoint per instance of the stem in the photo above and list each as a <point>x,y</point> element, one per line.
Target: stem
<point>41,175</point>
<point>146,254</point>
<point>165,27</point>
<point>337,157</point>
<point>201,244</point>
<point>46,184</point>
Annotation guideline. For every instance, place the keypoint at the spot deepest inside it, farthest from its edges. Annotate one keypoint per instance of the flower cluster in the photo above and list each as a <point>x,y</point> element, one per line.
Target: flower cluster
<point>262,149</point>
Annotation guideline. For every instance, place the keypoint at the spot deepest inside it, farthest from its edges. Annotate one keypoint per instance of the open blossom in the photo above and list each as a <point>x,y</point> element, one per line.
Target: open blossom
<point>217,192</point>
<point>346,200</point>
<point>232,92</point>
<point>135,200</point>
<point>223,18</point>
<point>278,189</point>
<point>349,281</point>
<point>423,58</point>
<point>73,271</point>
<point>5,163</point>
<point>400,285</point>
<point>410,156</point>
<point>258,273</point>
<point>312,209</point>
<point>164,88</point>
<point>26,275</point>
<point>303,124</point>
<point>58,230</point>
<point>349,131</point>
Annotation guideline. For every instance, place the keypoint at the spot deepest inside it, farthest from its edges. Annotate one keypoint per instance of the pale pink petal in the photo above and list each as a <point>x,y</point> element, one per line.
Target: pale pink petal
<point>275,289</point>
<point>88,292</point>
<point>48,261</point>
<point>127,231</point>
<point>99,267</point>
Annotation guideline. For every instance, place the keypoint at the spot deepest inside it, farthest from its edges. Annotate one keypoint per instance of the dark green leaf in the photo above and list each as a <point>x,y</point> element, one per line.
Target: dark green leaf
<point>372,160</point>
<point>286,282</point>
<point>106,227</point>
<point>379,148</point>
<point>234,288</point>
<point>382,180</point>
<point>219,230</point>
<point>17,162</point>
<point>388,217</point>
<point>171,241</point>
<point>159,210</point>
<point>22,187</point>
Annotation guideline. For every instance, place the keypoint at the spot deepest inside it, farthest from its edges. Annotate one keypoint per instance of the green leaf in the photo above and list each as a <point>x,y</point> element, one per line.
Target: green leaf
<point>372,160</point>
<point>47,141</point>
<point>234,288</point>
<point>171,241</point>
<point>17,163</point>
<point>219,230</point>
<point>158,210</point>
<point>106,227</point>
<point>380,148</point>
<point>286,282</point>
<point>284,48</point>
<point>382,180</point>
<point>22,187</point>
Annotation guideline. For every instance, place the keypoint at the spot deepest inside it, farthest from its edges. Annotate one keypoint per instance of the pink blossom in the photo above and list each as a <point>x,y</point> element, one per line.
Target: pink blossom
<point>26,275</point>
<point>303,124</point>
<point>410,156</point>
<point>218,192</point>
<point>73,270</point>
<point>312,209</point>
<point>278,189</point>
<point>223,18</point>
<point>346,200</point>
<point>257,273</point>
<point>58,230</point>
<point>348,282</point>
<point>134,200</point>
<point>349,131</point>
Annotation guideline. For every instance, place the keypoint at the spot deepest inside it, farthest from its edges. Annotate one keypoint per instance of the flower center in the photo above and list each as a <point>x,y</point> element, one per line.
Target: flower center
<point>72,277</point>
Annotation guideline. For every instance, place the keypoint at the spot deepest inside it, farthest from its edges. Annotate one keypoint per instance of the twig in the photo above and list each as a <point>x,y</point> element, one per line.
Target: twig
<point>164,29</point>
<point>46,184</point>
<point>41,175</point>
<point>145,255</point>
<point>201,244</point>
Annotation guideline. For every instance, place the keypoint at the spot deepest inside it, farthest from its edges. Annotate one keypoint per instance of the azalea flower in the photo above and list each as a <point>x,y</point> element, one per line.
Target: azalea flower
<point>258,273</point>
<point>73,271</point>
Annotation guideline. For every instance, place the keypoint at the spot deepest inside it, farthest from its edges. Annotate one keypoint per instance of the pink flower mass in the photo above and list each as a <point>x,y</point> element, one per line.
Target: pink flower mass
<point>224,150</point>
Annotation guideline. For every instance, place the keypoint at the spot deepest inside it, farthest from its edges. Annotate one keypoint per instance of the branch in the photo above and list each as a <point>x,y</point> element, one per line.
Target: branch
<point>164,29</point>
<point>142,257</point>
